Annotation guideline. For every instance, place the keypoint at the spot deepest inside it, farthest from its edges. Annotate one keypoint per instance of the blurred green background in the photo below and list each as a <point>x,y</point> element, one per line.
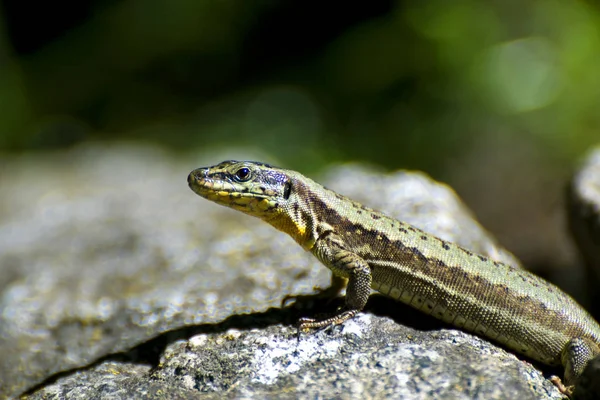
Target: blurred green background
<point>497,98</point>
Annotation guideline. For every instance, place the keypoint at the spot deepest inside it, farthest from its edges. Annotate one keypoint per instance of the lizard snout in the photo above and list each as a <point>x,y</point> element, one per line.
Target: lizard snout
<point>196,176</point>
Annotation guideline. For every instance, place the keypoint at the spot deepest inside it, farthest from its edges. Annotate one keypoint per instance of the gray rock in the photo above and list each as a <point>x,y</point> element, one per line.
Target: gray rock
<point>585,207</point>
<point>584,220</point>
<point>368,357</point>
<point>106,257</point>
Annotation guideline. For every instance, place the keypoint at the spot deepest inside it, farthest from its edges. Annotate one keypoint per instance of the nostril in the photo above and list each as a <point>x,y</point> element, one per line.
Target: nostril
<point>191,178</point>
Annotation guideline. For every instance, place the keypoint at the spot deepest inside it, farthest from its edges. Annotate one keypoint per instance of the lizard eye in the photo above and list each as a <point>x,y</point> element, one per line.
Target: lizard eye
<point>242,174</point>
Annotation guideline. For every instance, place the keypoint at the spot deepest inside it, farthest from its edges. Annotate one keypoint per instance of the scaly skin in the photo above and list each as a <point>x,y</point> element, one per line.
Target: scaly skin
<point>506,304</point>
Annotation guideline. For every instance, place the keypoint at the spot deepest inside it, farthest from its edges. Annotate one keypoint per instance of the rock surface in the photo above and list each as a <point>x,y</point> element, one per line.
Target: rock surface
<point>584,221</point>
<point>116,280</point>
<point>369,357</point>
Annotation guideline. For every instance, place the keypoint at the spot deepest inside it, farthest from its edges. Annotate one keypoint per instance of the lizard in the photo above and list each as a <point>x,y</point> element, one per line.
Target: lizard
<point>370,250</point>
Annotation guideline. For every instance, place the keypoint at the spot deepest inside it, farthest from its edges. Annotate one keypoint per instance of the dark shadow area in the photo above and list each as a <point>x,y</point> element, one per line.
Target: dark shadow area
<point>31,25</point>
<point>401,313</point>
<point>292,32</point>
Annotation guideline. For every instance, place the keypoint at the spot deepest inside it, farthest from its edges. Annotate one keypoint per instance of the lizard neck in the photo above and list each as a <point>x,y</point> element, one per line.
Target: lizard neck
<point>299,216</point>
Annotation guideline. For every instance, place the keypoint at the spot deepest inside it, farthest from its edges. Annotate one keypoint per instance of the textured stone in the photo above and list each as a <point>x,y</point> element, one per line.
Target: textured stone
<point>107,259</point>
<point>368,357</point>
<point>584,221</point>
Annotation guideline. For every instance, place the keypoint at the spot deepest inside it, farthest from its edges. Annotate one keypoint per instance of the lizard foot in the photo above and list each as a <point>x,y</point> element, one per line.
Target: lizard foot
<point>306,324</point>
<point>566,390</point>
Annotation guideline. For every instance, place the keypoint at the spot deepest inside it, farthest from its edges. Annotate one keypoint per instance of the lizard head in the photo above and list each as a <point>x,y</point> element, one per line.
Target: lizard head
<point>255,188</point>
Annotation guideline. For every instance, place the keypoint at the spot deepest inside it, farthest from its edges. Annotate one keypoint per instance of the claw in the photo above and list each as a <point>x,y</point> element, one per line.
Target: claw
<point>306,324</point>
<point>566,390</point>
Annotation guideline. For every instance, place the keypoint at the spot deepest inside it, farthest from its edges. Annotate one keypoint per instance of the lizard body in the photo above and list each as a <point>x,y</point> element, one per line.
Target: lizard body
<point>506,304</point>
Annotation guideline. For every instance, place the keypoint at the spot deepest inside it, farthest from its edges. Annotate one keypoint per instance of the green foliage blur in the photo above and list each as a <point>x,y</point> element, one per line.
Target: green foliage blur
<point>415,84</point>
<point>497,98</point>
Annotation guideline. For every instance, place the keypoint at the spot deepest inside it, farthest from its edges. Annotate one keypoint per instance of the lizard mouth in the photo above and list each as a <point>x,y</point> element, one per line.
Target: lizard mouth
<point>222,192</point>
<point>204,185</point>
<point>198,183</point>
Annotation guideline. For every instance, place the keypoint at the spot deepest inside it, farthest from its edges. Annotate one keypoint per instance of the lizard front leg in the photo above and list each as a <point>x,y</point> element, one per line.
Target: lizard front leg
<point>344,263</point>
